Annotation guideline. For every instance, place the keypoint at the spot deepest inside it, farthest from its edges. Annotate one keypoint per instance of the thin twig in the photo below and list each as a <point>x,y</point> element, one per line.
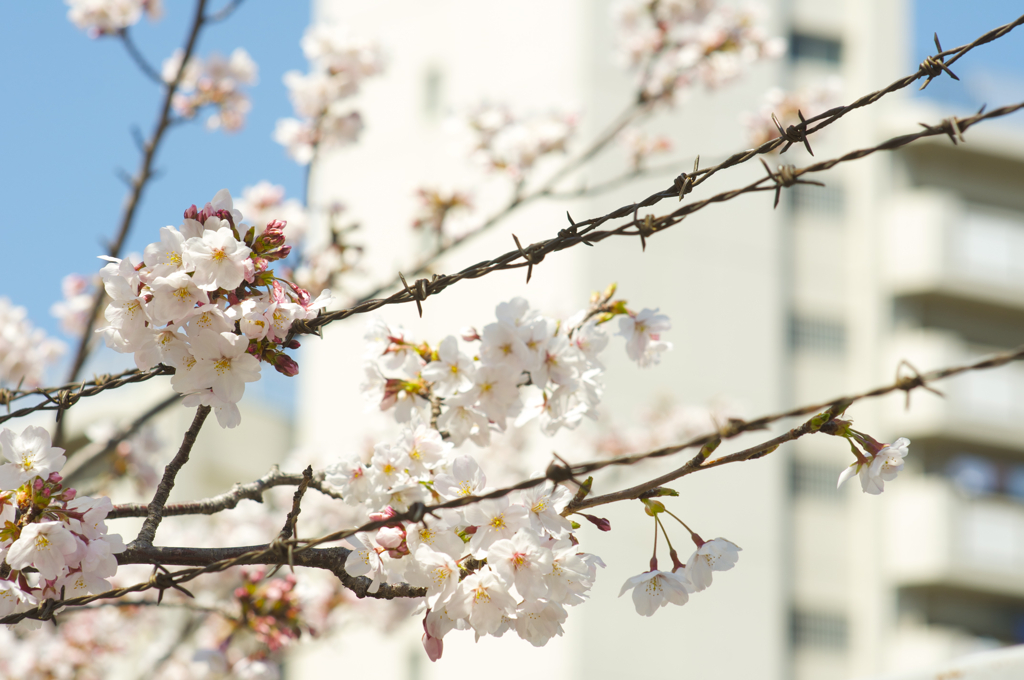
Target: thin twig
<point>156,506</point>
<point>139,183</point>
<point>140,61</point>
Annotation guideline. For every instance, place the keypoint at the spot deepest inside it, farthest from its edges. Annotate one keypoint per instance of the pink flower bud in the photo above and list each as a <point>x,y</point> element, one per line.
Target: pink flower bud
<point>293,344</point>
<point>54,477</point>
<point>286,365</point>
<point>69,494</point>
<point>37,484</point>
<point>191,212</point>
<point>386,513</point>
<point>599,522</point>
<point>249,270</point>
<point>391,537</point>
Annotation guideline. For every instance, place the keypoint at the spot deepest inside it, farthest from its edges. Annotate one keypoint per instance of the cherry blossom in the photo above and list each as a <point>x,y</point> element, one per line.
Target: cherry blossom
<point>882,467</point>
<point>45,546</point>
<point>223,363</point>
<point>30,455</point>
<point>523,562</point>
<point>715,555</point>
<point>213,82</point>
<point>217,258</point>
<point>643,336</point>
<point>654,589</point>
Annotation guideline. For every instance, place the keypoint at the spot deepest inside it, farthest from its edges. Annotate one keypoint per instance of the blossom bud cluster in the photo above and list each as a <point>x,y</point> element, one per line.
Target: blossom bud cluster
<point>205,301</point>
<point>105,17</point>
<point>270,609</point>
<point>675,44</point>
<point>214,82</point>
<point>340,62</point>
<point>514,144</point>
<point>553,364</point>
<point>500,564</point>
<point>24,350</point>
<point>47,528</point>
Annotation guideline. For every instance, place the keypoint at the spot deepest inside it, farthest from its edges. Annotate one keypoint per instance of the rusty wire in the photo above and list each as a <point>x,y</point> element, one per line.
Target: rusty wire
<point>293,550</point>
<point>584,231</point>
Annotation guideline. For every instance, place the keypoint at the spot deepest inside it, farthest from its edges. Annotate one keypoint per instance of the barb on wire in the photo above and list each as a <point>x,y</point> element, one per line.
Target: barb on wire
<point>587,230</point>
<point>934,66</point>
<point>305,553</point>
<point>581,232</point>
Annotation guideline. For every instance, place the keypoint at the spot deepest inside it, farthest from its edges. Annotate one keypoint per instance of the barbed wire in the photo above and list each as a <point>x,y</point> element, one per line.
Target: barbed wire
<point>585,232</point>
<point>303,552</point>
<point>685,182</point>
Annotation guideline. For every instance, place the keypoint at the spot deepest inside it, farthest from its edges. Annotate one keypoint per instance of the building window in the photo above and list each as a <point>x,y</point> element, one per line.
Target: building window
<point>824,336</point>
<point>826,200</point>
<point>819,630</point>
<point>805,47</point>
<point>814,480</point>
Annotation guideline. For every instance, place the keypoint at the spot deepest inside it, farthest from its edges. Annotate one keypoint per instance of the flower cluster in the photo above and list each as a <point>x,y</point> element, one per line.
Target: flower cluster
<point>675,44</point>
<point>523,350</point>
<point>270,609</point>
<point>24,350</point>
<point>514,144</point>
<point>881,465</point>
<point>46,528</point>
<point>215,82</point>
<point>105,17</point>
<point>787,107</point>
<point>511,562</point>
<point>340,63</point>
<point>205,301</point>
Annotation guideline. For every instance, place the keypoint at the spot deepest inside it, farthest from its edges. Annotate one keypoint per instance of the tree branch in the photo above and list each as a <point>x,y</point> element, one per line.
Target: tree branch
<point>139,182</point>
<point>226,501</point>
<point>154,511</point>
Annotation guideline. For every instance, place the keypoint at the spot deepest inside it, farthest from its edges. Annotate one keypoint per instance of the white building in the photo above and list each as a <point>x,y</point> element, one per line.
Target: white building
<point>913,255</point>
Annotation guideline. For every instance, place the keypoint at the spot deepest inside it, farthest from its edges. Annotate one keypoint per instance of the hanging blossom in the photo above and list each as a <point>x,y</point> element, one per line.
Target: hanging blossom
<point>47,528</point>
<point>214,82</point>
<point>883,463</point>
<point>205,301</point>
<point>25,351</point>
<point>514,144</point>
<point>106,17</point>
<point>675,44</point>
<point>339,63</point>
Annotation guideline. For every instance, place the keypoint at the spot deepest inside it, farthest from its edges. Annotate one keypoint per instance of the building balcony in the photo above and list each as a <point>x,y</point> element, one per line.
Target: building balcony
<point>946,257</point>
<point>940,540</point>
<point>983,407</point>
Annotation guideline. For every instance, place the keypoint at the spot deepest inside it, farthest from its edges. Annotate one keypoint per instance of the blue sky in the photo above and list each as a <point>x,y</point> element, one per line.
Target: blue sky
<point>70,104</point>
